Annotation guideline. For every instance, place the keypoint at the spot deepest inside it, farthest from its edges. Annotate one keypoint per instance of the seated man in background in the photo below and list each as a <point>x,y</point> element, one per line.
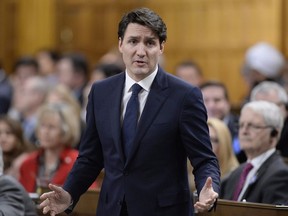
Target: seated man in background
<point>190,72</point>
<point>14,201</point>
<point>217,103</point>
<point>275,93</point>
<point>264,176</point>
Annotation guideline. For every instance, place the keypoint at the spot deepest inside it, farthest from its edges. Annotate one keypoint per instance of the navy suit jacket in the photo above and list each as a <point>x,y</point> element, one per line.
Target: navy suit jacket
<point>153,179</point>
<point>270,184</point>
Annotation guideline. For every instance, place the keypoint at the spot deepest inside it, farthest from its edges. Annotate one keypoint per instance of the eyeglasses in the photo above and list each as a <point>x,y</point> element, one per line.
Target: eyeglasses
<point>254,127</point>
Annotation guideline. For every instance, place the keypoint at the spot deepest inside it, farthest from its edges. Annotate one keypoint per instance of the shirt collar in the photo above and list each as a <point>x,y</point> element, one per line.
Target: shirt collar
<point>259,160</point>
<point>145,83</point>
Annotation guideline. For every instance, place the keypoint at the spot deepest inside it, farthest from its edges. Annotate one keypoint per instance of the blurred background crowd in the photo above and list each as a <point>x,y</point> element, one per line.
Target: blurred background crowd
<point>44,89</point>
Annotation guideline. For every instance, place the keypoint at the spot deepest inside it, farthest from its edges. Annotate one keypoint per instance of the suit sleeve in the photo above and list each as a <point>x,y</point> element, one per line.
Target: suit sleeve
<point>11,199</point>
<point>90,160</point>
<point>196,140</point>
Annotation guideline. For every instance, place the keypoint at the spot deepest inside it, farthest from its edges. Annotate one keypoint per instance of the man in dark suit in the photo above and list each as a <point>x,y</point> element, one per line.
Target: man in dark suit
<point>14,200</point>
<point>260,125</point>
<point>150,176</point>
<point>275,93</point>
<point>217,103</point>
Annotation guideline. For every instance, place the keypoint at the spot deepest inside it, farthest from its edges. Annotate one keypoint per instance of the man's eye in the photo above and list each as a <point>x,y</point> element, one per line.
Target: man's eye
<point>150,43</point>
<point>132,41</point>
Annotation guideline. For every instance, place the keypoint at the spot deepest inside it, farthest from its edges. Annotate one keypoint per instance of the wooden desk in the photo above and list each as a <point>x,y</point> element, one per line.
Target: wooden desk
<point>88,203</point>
<point>232,208</point>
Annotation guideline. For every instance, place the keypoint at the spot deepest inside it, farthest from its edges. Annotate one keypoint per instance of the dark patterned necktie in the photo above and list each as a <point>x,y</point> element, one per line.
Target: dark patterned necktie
<point>248,167</point>
<point>130,120</point>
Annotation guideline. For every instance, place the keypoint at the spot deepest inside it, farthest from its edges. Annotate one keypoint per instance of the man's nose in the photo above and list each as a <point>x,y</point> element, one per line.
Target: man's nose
<point>141,50</point>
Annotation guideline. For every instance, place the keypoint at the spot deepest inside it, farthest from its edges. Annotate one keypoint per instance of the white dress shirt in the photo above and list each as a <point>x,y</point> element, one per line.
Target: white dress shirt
<point>257,163</point>
<point>143,94</point>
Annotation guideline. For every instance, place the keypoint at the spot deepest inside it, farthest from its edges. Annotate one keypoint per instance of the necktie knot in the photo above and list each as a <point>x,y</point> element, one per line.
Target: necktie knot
<point>136,88</point>
<point>247,169</point>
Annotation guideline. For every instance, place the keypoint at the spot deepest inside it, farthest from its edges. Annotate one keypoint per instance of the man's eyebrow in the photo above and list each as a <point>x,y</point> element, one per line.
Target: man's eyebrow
<point>133,37</point>
<point>151,38</point>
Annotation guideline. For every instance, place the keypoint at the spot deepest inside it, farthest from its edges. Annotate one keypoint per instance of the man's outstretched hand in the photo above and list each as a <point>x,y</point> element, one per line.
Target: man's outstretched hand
<point>55,201</point>
<point>207,197</point>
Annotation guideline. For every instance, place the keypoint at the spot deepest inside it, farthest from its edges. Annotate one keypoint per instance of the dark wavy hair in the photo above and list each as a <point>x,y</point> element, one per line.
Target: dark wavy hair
<point>145,17</point>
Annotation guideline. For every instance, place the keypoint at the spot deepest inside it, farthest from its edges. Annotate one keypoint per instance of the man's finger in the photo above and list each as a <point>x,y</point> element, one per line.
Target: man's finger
<point>47,195</point>
<point>55,188</point>
<point>46,209</point>
<point>44,203</point>
<point>200,207</point>
<point>52,213</point>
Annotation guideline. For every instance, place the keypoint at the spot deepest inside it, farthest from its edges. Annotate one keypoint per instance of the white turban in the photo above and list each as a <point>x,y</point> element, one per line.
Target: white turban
<point>264,58</point>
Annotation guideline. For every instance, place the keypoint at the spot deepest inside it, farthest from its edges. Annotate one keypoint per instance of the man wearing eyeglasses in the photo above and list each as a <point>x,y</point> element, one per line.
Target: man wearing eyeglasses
<point>275,93</point>
<point>263,178</point>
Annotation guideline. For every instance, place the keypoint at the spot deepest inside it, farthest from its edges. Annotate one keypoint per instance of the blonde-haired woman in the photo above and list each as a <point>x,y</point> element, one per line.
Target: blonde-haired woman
<point>62,94</point>
<point>222,145</point>
<point>58,131</point>
<point>221,141</point>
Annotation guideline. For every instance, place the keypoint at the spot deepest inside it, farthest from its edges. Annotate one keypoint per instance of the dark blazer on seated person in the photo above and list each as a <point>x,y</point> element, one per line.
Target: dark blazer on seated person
<point>269,186</point>
<point>153,179</point>
<point>14,200</point>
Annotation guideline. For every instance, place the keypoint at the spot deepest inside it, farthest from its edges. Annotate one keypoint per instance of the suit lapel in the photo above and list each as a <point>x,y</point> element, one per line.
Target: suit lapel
<point>259,174</point>
<point>157,95</point>
<point>115,104</point>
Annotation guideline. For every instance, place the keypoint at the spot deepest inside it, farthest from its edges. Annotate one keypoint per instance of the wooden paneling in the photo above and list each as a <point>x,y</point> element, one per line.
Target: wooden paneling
<point>8,33</point>
<point>36,25</point>
<point>89,26</point>
<point>285,28</point>
<point>217,33</point>
<point>213,33</point>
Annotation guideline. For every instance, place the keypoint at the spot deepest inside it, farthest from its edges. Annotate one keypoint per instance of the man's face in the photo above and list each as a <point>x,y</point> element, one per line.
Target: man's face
<point>141,51</point>
<point>30,97</point>
<point>65,72</point>
<point>189,74</point>
<point>49,131</point>
<point>254,135</point>
<point>23,73</point>
<point>215,102</point>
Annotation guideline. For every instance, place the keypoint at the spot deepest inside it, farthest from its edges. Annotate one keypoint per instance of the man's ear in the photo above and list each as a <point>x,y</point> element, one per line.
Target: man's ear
<point>274,132</point>
<point>120,42</point>
<point>162,46</point>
